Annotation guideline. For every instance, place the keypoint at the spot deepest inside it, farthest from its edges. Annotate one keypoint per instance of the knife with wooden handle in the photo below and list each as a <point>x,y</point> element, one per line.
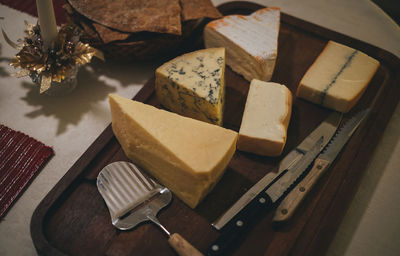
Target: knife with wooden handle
<point>289,204</point>
<point>325,129</point>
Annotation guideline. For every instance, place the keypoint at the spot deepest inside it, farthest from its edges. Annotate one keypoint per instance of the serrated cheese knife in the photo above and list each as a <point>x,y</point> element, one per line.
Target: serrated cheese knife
<point>281,187</point>
<point>264,201</point>
<point>326,130</point>
<point>287,207</point>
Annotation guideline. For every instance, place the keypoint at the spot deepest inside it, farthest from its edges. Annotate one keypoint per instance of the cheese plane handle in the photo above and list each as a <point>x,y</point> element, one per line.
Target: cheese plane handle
<point>182,247</point>
<point>237,226</point>
<point>291,202</point>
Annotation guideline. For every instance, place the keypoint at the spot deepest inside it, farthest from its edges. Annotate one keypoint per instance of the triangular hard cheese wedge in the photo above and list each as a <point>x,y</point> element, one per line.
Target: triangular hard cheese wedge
<point>193,85</point>
<point>251,42</point>
<point>186,155</point>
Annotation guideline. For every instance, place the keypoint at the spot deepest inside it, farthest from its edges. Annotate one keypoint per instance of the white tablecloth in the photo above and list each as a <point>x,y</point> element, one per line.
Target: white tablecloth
<point>70,124</point>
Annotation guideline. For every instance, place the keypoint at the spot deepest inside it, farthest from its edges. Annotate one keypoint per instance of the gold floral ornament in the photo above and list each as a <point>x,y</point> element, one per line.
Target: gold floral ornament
<point>55,63</point>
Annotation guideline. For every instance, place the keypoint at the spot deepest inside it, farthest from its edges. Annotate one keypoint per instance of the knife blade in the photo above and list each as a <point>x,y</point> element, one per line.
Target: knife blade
<point>290,203</point>
<point>326,129</point>
<point>264,201</point>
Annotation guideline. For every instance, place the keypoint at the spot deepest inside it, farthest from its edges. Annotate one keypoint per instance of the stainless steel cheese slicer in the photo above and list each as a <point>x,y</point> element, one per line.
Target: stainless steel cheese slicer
<point>133,198</point>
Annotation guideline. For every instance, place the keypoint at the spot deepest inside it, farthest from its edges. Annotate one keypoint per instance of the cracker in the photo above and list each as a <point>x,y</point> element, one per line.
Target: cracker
<point>197,9</point>
<point>133,15</point>
<point>108,35</point>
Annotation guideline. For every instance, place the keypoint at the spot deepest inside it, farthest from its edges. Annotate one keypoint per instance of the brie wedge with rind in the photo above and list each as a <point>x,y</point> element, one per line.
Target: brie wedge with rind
<point>251,42</point>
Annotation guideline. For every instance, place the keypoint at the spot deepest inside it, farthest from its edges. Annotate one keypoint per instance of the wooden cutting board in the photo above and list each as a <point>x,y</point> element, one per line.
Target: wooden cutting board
<point>73,219</point>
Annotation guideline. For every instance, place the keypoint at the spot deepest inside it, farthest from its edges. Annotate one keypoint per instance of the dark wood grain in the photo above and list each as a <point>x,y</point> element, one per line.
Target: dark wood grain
<point>73,220</point>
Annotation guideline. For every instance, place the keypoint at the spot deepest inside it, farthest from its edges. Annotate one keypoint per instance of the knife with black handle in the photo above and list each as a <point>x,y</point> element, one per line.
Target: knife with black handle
<point>263,202</point>
<point>282,185</point>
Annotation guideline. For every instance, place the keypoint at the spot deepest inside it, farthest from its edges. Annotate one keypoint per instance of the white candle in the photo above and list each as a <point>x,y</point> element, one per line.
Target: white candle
<point>47,21</point>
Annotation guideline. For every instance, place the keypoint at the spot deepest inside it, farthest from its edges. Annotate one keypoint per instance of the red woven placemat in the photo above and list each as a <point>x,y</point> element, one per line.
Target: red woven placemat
<point>21,157</point>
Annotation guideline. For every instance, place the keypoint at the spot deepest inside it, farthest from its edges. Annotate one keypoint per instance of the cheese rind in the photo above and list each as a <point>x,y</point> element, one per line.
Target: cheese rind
<point>186,155</point>
<point>193,85</point>
<point>251,41</point>
<point>265,119</point>
<point>338,77</point>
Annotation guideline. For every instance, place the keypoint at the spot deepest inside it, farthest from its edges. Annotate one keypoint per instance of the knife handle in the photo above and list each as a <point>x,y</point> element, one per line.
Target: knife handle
<point>237,226</point>
<point>290,203</point>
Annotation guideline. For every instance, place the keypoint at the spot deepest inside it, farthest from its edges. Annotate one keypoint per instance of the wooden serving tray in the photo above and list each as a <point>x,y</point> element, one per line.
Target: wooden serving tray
<point>73,219</point>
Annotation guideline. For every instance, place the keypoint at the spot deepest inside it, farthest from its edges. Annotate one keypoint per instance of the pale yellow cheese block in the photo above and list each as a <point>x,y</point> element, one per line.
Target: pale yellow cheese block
<point>186,155</point>
<point>338,77</point>
<point>193,85</point>
<point>265,119</point>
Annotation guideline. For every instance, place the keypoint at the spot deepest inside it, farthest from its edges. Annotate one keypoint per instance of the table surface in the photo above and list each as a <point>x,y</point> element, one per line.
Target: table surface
<point>70,124</point>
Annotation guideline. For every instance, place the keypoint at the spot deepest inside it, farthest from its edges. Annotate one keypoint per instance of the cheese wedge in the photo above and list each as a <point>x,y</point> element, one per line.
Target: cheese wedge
<point>338,77</point>
<point>186,155</point>
<point>251,42</point>
<point>265,119</point>
<point>193,85</point>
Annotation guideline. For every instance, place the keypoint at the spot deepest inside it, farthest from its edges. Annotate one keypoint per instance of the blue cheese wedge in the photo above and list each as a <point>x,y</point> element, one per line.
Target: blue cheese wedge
<point>193,85</point>
<point>186,155</point>
<point>338,77</point>
<point>251,42</point>
<point>266,117</point>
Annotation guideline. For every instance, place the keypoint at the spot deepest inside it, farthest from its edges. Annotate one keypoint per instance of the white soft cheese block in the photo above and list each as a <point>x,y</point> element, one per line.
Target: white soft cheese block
<point>193,85</point>
<point>338,77</point>
<point>251,42</point>
<point>265,119</point>
<point>186,155</point>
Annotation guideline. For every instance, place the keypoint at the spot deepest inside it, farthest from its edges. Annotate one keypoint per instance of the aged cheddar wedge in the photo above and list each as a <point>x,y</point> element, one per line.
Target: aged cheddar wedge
<point>193,85</point>
<point>265,119</point>
<point>251,42</point>
<point>338,77</point>
<point>186,155</point>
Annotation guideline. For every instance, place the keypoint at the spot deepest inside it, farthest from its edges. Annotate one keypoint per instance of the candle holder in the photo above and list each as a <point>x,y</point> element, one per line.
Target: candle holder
<point>64,87</point>
<point>53,68</point>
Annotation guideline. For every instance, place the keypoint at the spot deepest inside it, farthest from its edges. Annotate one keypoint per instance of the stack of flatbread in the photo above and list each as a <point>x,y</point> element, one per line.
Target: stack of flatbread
<point>138,29</point>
